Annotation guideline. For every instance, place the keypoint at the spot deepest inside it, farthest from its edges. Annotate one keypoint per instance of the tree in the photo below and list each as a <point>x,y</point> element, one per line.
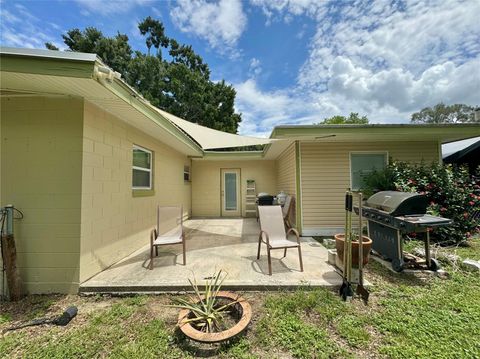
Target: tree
<point>180,84</point>
<point>441,113</point>
<point>352,119</point>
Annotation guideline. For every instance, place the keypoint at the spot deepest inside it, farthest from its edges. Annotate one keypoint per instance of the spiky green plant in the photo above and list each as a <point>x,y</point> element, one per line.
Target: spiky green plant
<point>207,311</point>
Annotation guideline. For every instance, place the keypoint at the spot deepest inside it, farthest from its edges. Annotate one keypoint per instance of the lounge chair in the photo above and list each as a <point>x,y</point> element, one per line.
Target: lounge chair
<point>272,233</point>
<point>170,224</point>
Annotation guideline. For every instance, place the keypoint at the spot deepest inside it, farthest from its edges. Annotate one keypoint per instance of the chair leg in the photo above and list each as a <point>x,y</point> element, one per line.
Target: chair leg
<point>300,258</point>
<point>259,244</point>
<point>156,251</point>
<point>284,252</point>
<point>184,252</point>
<point>150,265</point>
<point>269,262</point>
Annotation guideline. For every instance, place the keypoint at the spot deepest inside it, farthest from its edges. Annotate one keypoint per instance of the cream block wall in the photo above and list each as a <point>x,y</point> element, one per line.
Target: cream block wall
<point>114,223</point>
<point>206,183</point>
<point>325,175</point>
<point>41,158</point>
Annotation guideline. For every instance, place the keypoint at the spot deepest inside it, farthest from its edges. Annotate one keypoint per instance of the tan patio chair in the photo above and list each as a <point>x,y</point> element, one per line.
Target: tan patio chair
<point>272,233</point>
<point>286,209</point>
<point>170,225</point>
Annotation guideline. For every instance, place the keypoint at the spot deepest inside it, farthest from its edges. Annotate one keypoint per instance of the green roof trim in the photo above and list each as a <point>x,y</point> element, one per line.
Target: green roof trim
<point>234,155</point>
<point>46,66</point>
<point>131,96</point>
<point>312,130</point>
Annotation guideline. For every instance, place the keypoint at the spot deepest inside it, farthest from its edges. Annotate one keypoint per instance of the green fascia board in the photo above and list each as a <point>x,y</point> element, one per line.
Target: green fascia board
<point>46,66</point>
<point>233,155</point>
<point>470,129</point>
<point>132,97</point>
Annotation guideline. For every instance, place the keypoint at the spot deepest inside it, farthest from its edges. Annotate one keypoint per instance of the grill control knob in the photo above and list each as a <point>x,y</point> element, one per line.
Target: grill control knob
<point>387,220</point>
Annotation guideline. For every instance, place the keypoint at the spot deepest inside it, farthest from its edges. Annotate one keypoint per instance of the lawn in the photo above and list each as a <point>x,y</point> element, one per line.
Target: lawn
<point>409,316</point>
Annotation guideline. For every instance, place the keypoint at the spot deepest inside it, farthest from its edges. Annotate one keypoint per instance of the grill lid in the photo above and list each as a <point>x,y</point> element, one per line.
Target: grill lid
<point>399,203</point>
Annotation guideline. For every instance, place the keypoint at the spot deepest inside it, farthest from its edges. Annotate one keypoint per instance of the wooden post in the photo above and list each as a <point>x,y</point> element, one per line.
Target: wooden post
<point>14,282</point>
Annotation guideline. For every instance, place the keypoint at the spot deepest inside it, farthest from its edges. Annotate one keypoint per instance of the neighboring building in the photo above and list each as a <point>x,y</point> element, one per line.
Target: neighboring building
<point>87,160</point>
<point>465,152</point>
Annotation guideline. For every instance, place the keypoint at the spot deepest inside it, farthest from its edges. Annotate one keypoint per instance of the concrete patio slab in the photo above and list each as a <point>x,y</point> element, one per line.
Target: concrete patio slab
<point>214,244</point>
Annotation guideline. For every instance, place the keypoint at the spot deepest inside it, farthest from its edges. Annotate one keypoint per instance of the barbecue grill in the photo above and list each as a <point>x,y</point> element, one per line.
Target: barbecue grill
<point>390,214</point>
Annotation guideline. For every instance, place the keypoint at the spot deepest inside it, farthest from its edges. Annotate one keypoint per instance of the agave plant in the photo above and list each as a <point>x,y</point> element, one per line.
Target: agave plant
<point>207,311</point>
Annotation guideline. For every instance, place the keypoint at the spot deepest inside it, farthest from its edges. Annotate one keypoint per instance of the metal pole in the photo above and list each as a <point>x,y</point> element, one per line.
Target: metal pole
<point>427,249</point>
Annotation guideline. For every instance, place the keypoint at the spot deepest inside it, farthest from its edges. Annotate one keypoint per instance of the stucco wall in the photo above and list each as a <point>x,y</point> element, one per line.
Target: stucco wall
<point>206,183</point>
<point>41,175</point>
<point>325,175</point>
<point>115,223</point>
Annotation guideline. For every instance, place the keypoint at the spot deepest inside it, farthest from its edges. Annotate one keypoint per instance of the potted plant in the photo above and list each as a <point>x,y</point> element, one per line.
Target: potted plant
<point>213,315</point>
<point>367,245</point>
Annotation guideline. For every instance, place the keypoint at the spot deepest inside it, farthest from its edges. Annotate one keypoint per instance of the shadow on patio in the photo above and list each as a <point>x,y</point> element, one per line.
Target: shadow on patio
<point>213,244</point>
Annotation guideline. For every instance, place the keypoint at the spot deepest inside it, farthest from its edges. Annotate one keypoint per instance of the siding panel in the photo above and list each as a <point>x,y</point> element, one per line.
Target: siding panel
<point>325,169</point>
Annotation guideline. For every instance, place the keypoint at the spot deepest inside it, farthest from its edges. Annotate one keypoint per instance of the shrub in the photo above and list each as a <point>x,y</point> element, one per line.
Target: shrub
<point>451,191</point>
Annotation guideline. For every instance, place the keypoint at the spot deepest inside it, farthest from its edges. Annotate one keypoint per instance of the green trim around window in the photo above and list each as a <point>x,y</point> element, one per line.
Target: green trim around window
<point>143,192</point>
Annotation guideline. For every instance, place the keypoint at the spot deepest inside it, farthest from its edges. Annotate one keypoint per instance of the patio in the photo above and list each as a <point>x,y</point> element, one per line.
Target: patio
<point>213,244</point>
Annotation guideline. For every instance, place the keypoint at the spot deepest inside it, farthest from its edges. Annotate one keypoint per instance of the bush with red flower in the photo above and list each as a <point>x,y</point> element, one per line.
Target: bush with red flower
<point>451,191</point>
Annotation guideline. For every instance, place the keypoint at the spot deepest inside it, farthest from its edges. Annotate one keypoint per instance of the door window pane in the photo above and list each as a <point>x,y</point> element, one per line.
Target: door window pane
<point>231,191</point>
<point>364,163</point>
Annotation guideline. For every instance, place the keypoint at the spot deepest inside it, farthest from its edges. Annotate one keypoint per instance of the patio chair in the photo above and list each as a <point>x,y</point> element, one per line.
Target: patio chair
<point>286,209</point>
<point>170,225</point>
<point>272,233</point>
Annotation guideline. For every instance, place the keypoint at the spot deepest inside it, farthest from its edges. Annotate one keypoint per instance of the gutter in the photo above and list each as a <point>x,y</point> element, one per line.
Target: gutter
<point>113,82</point>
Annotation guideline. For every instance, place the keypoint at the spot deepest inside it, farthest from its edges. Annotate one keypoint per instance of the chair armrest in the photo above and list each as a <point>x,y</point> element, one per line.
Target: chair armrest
<point>295,232</point>
<point>266,235</point>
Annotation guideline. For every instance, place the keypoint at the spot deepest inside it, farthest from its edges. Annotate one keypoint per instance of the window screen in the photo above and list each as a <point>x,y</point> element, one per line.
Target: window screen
<point>364,163</point>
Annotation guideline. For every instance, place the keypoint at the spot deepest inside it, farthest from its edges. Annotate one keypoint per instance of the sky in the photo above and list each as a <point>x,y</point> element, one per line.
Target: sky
<point>294,62</point>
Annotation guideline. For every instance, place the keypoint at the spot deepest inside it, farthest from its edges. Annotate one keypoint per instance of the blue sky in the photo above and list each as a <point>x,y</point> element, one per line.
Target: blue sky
<point>295,62</point>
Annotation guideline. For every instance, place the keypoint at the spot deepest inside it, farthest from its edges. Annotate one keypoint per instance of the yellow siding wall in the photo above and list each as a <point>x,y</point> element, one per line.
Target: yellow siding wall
<point>206,183</point>
<point>286,176</point>
<point>325,175</point>
<point>41,172</point>
<point>114,223</point>
<point>285,165</point>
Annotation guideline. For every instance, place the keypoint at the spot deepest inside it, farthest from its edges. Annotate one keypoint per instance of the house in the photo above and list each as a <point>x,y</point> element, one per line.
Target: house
<point>87,160</point>
<point>465,152</point>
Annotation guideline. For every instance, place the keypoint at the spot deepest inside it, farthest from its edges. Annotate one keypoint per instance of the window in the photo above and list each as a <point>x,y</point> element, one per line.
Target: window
<point>142,168</point>
<point>186,173</point>
<point>361,164</point>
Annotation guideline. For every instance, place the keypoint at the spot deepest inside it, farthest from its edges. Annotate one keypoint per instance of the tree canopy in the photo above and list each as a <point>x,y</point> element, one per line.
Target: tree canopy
<point>173,78</point>
<point>353,118</point>
<point>441,113</point>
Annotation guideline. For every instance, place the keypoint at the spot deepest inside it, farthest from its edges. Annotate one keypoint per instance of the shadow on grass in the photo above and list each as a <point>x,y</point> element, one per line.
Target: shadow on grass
<point>204,350</point>
<point>383,274</point>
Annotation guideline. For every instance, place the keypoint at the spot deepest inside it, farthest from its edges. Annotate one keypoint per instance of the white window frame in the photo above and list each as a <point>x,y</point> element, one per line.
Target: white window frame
<point>187,172</point>
<point>150,170</point>
<point>385,153</point>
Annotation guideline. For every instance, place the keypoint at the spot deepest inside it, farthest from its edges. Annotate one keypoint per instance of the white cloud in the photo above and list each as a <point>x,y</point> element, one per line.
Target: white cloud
<point>108,7</point>
<point>385,60</point>
<point>255,67</point>
<point>221,23</point>
<point>19,28</point>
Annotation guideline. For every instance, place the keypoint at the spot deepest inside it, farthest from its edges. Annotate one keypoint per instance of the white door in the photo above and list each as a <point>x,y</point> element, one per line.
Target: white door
<point>230,192</point>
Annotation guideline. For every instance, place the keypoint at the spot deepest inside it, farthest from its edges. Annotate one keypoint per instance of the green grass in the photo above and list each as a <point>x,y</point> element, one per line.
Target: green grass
<point>407,317</point>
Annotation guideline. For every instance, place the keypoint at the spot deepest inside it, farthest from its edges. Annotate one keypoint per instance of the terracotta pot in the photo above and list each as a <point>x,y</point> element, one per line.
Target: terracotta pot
<point>367,245</point>
<point>245,313</point>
